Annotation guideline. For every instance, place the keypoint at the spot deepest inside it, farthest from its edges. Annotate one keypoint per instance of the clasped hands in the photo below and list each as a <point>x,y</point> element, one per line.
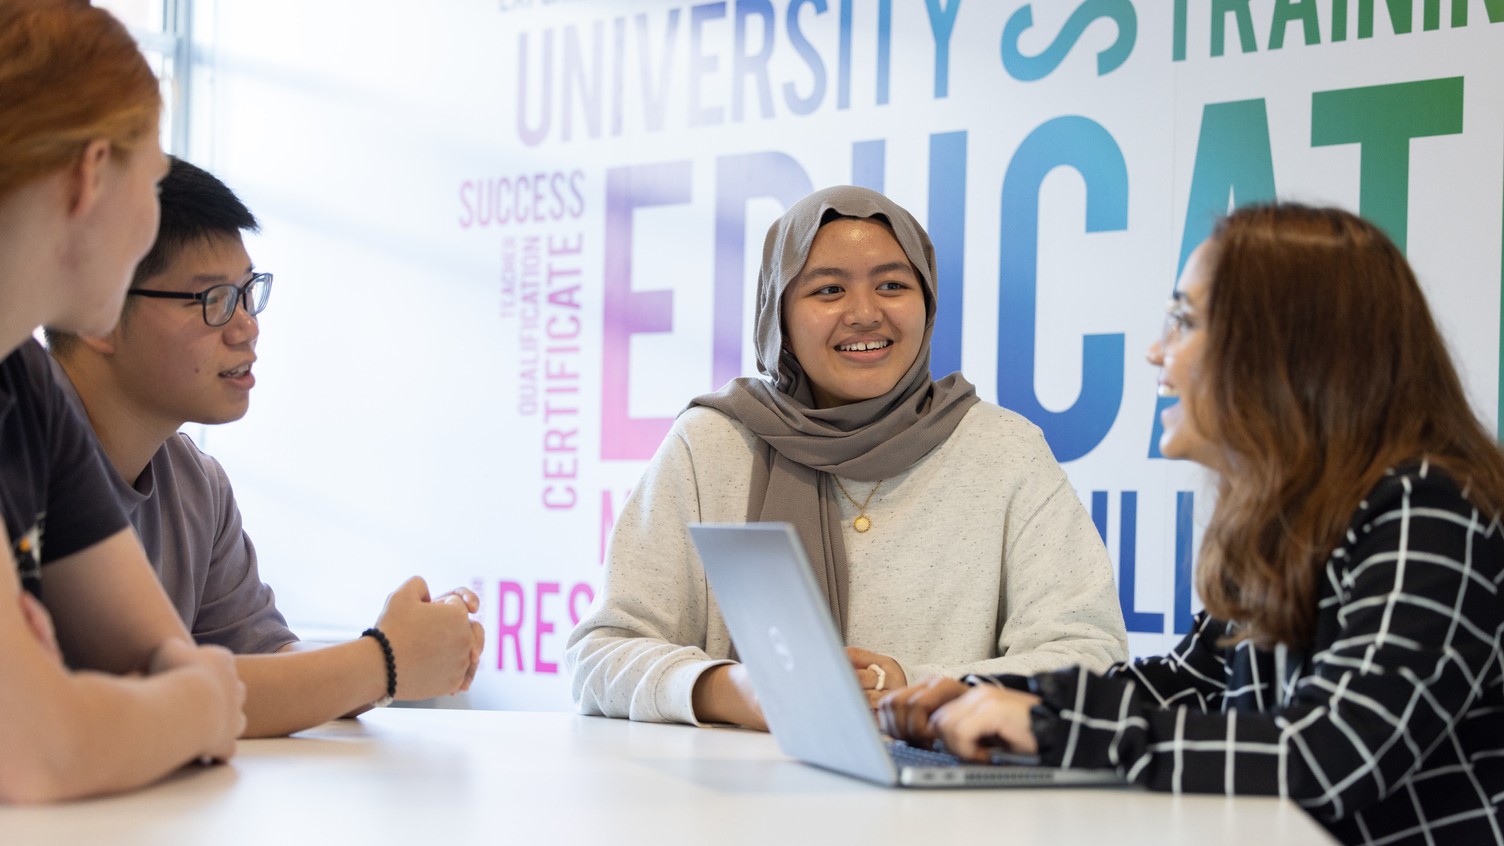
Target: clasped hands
<point>437,647</point>
<point>969,721</point>
<point>724,694</point>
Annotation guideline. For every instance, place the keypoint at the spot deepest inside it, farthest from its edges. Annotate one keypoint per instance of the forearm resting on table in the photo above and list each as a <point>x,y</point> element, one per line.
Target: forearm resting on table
<point>721,697</point>
<point>86,733</point>
<point>302,687</point>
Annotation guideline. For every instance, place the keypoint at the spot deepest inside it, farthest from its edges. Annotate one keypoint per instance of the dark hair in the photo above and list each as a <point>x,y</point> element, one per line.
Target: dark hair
<point>1322,369</point>
<point>196,207</point>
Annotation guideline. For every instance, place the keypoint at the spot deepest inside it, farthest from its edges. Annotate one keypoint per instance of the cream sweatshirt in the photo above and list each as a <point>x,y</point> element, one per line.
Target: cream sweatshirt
<point>980,559</point>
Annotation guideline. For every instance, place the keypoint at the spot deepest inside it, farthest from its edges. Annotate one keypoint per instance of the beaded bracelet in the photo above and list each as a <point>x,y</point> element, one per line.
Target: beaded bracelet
<point>391,665</point>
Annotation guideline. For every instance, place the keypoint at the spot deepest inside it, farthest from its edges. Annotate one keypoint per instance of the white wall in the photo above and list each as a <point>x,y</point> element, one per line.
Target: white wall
<point>390,432</point>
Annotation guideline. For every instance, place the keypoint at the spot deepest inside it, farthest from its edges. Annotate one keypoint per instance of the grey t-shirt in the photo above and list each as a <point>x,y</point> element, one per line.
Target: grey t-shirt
<point>184,510</point>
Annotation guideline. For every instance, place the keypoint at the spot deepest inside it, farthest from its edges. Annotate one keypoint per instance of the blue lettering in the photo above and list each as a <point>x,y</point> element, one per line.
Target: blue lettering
<point>1084,146</point>
<point>843,59</point>
<point>805,105</point>
<point>942,24</point>
<point>1185,508</point>
<point>701,64</point>
<point>868,159</point>
<point>948,232</point>
<point>655,94</point>
<point>755,65</point>
<point>1032,68</point>
<point>1135,620</point>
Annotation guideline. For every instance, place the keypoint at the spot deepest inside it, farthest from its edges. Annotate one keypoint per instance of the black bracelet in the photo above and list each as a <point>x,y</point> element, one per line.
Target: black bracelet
<point>391,664</point>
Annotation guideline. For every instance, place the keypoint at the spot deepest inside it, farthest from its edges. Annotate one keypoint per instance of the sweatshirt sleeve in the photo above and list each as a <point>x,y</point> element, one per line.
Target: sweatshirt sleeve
<point>640,649</point>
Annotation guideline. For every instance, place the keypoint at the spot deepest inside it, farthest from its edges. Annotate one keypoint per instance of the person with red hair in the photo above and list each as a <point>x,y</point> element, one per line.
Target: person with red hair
<point>79,165</point>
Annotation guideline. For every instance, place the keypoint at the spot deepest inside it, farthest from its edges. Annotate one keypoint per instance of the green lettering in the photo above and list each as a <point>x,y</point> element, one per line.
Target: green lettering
<point>1495,9</point>
<point>1401,16</point>
<point>1286,11</point>
<point>1179,48</point>
<point>1339,20</point>
<point>1234,167</point>
<point>1382,119</point>
<point>1239,9</point>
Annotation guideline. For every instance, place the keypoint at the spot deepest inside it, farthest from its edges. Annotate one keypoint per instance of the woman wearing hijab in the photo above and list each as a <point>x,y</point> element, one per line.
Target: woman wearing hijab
<point>1349,654</point>
<point>945,536</point>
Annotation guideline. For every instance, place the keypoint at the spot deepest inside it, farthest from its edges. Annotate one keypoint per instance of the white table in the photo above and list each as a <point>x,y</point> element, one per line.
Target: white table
<point>511,778</point>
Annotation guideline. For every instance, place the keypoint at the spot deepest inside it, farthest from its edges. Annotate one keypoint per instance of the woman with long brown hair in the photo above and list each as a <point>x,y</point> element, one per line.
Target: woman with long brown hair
<point>1349,654</point>
<point>79,166</point>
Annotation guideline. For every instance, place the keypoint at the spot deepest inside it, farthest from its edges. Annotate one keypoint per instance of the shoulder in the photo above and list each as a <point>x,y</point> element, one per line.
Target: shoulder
<point>1422,508</point>
<point>26,374</point>
<point>991,432</point>
<point>186,467</point>
<point>1419,486</point>
<point>31,359</point>
<point>702,428</point>
<point>992,420</point>
<point>41,400</point>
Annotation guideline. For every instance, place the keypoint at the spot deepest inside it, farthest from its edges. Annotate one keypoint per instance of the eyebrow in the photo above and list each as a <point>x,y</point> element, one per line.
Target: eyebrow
<point>220,278</point>
<point>838,273</point>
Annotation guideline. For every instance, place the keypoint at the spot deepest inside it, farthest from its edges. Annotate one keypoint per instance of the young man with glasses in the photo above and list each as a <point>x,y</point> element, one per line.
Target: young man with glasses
<point>183,352</point>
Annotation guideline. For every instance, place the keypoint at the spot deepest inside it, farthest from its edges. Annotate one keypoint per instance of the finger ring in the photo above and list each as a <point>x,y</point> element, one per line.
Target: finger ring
<point>882,676</point>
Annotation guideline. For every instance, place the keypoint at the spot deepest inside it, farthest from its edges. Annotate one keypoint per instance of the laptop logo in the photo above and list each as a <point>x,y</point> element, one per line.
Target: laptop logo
<point>781,648</point>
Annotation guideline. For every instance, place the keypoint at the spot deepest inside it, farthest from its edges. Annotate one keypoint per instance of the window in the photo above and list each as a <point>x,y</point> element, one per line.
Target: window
<point>163,29</point>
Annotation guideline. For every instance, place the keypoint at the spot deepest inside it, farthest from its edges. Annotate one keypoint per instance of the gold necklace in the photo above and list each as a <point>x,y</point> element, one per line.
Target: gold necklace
<point>862,522</point>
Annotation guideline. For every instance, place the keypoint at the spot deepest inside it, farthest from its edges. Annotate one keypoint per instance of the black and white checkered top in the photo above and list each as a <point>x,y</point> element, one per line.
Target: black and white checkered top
<point>1389,729</point>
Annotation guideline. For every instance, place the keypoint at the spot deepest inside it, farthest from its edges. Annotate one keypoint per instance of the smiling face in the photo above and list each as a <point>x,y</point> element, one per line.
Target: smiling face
<point>1178,355</point>
<point>172,366</point>
<point>854,317</point>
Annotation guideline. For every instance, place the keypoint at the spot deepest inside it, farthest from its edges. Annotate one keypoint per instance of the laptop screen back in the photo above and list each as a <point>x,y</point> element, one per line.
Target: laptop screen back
<point>783,632</point>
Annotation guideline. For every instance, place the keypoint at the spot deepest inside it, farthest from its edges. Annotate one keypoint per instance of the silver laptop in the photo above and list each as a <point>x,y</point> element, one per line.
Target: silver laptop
<point>784,634</point>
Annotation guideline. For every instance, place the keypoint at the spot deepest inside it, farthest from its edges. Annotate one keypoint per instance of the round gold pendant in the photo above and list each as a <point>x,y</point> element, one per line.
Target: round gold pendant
<point>861,523</point>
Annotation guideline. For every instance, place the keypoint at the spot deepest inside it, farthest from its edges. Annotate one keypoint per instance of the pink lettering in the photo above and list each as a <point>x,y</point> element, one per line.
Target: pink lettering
<point>540,665</point>
<point>562,497</point>
<point>504,629</point>
<point>575,612</point>
<point>628,312</point>
<point>511,621</point>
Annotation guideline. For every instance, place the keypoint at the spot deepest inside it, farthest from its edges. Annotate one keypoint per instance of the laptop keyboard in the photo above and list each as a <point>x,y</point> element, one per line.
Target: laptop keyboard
<point>905,755</point>
<point>928,768</point>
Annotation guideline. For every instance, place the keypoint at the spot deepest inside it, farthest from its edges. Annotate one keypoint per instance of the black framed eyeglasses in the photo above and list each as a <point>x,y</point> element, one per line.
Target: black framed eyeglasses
<point>219,302</point>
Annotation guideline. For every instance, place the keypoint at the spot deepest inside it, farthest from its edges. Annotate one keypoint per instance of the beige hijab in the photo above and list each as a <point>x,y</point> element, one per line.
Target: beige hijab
<point>869,440</point>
